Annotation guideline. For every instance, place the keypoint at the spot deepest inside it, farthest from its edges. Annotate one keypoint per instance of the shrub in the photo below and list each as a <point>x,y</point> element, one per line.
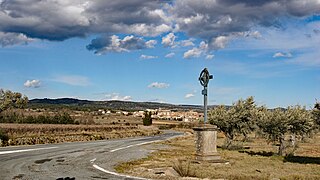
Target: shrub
<point>9,99</point>
<point>18,117</point>
<point>3,137</point>
<point>184,168</point>
<point>147,120</point>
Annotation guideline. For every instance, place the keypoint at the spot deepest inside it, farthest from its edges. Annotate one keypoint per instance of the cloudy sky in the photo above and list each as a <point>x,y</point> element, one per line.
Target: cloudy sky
<point>154,50</point>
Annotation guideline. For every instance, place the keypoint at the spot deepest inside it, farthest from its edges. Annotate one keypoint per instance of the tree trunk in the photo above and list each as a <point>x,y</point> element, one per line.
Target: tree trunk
<point>282,146</point>
<point>228,141</point>
<point>245,137</point>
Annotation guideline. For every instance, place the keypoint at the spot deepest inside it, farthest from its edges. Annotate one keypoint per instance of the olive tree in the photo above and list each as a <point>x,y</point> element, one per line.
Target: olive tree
<point>275,125</point>
<point>240,119</point>
<point>243,112</point>
<point>316,114</point>
<point>300,123</point>
<point>279,123</point>
<point>221,117</point>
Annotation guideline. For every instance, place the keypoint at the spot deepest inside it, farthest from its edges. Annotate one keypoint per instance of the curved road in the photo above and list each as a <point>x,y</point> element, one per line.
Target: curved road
<point>81,160</point>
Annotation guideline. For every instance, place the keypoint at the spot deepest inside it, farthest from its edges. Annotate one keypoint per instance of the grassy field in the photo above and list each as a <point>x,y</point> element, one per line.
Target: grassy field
<point>29,134</point>
<point>92,127</point>
<point>257,161</point>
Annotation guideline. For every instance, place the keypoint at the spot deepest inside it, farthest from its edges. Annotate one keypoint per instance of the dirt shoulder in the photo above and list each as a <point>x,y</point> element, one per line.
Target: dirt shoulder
<point>257,161</point>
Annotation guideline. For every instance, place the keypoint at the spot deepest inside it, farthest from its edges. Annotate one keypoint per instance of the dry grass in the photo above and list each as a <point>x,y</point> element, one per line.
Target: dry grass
<point>184,168</point>
<point>117,119</point>
<point>92,127</point>
<point>258,162</point>
<point>28,134</point>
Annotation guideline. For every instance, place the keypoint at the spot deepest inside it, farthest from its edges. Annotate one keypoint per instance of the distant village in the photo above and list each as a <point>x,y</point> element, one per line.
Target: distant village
<point>160,114</point>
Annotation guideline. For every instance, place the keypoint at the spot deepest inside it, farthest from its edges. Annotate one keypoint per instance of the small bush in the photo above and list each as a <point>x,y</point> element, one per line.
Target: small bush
<point>184,169</point>
<point>3,137</point>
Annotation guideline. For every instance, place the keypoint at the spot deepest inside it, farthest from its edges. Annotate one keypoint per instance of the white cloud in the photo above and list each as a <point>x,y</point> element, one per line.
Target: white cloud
<point>190,95</point>
<point>282,54</point>
<point>219,42</point>
<point>32,83</point>
<point>194,52</point>
<point>202,19</point>
<point>143,56</point>
<point>102,45</point>
<point>255,34</point>
<point>280,44</point>
<point>151,43</point>
<point>148,30</point>
<point>186,43</point>
<point>169,40</point>
<point>9,39</point>
<point>73,80</point>
<point>209,56</point>
<point>170,55</point>
<point>158,85</point>
<point>217,18</point>
<point>310,59</point>
<point>69,19</point>
<point>117,97</point>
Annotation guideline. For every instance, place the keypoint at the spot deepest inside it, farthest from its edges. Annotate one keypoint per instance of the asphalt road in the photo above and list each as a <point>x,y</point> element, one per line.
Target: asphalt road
<point>81,160</point>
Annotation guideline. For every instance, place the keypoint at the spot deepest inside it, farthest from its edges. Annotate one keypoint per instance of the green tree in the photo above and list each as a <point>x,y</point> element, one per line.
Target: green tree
<point>240,119</point>
<point>279,123</point>
<point>275,125</point>
<point>221,117</point>
<point>147,120</point>
<point>243,112</point>
<point>9,99</point>
<point>316,114</point>
<point>301,123</point>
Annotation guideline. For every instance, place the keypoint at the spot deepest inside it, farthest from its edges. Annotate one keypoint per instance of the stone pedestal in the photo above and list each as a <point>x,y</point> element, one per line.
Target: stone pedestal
<point>206,144</point>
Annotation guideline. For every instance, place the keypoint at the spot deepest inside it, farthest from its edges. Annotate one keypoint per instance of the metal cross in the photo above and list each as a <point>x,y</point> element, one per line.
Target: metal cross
<point>204,81</point>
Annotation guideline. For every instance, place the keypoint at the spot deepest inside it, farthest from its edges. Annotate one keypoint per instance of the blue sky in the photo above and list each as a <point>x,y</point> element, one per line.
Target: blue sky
<point>154,50</point>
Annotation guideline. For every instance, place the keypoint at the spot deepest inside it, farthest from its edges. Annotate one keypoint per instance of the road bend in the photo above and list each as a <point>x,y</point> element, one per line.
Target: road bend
<point>80,160</point>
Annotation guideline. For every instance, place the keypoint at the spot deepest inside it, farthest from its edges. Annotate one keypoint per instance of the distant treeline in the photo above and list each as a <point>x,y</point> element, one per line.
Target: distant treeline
<point>59,118</point>
<point>85,105</point>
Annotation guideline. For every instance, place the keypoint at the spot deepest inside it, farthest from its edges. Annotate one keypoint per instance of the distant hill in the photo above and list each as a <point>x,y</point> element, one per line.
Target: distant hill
<point>112,105</point>
<point>65,101</point>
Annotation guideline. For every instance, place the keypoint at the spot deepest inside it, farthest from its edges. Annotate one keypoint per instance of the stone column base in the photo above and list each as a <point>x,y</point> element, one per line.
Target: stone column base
<point>206,144</point>
<point>207,157</point>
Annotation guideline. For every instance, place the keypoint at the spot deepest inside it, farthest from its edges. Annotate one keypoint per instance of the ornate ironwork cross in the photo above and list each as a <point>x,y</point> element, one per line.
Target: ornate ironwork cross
<point>204,81</point>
